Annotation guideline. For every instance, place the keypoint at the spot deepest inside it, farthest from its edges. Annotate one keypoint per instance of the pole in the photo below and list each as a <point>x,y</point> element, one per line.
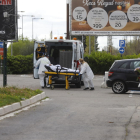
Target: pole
<point>32,28</point>
<point>89,46</point>
<point>5,65</point>
<point>22,27</point>
<point>94,43</point>
<point>68,20</point>
<point>126,46</point>
<point>1,65</point>
<point>11,48</point>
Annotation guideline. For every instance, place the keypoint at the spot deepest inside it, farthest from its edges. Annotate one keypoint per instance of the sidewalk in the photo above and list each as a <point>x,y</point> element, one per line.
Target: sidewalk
<point>20,105</point>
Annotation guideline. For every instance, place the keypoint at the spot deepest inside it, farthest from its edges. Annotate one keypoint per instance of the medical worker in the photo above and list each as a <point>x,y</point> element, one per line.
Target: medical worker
<point>87,75</point>
<point>41,63</point>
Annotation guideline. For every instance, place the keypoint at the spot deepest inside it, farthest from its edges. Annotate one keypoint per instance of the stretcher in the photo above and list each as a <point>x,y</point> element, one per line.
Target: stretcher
<point>66,74</point>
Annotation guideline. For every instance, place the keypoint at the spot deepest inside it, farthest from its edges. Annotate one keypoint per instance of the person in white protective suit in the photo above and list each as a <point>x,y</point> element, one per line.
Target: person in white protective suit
<point>87,75</point>
<point>41,72</point>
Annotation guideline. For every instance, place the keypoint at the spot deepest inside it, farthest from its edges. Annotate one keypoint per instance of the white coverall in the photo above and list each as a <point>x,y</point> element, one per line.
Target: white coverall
<point>41,63</point>
<point>87,75</point>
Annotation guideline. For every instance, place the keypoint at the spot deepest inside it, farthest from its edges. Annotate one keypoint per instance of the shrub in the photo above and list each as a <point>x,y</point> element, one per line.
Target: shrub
<point>20,64</point>
<point>102,61</point>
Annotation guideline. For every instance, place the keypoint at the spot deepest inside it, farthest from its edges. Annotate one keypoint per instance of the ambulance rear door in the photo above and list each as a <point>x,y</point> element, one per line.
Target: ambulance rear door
<point>39,50</point>
<point>75,56</point>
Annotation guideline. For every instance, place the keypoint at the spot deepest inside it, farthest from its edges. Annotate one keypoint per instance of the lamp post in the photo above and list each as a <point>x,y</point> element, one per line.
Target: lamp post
<point>19,30</point>
<point>22,23</point>
<point>68,16</point>
<point>32,25</point>
<point>20,11</point>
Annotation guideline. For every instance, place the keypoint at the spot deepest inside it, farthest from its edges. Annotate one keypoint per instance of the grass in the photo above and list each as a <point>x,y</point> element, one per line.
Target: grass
<point>9,95</point>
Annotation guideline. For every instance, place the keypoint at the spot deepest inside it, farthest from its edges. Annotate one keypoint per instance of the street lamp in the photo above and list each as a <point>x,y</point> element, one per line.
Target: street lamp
<point>32,25</point>
<point>21,11</point>
<point>19,30</point>
<point>22,23</point>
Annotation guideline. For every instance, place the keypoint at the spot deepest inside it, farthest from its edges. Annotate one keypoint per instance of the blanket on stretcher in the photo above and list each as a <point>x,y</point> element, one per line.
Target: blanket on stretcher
<point>58,69</point>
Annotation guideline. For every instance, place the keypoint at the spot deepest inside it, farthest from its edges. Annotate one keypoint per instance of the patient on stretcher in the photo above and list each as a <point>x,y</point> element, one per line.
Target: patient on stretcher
<point>58,69</point>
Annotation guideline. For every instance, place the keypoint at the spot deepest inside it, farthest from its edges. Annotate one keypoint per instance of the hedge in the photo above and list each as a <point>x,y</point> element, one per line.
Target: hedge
<point>98,61</point>
<point>102,61</point>
<point>20,64</point>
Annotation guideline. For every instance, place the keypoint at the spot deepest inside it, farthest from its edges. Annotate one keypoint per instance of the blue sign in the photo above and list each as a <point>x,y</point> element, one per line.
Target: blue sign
<point>122,43</point>
<point>121,50</point>
<point>1,44</point>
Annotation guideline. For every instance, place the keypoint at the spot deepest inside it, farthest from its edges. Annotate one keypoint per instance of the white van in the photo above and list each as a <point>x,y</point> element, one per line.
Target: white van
<point>64,52</point>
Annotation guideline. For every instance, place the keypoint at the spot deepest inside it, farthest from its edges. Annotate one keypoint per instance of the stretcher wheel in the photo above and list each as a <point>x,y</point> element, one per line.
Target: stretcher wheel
<point>68,88</point>
<point>52,87</point>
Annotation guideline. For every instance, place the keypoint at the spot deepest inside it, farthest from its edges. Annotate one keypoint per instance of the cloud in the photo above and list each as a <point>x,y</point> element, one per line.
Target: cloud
<point>53,12</point>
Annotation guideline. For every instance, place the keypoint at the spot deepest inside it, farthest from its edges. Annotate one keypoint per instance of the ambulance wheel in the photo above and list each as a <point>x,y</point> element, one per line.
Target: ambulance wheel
<point>52,87</point>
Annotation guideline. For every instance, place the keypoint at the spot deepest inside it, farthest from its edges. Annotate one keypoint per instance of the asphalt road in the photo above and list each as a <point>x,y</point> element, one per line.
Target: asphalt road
<point>74,114</point>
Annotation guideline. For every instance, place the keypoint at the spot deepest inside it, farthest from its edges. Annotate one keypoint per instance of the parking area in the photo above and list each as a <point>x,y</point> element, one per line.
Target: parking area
<point>28,81</point>
<point>74,114</point>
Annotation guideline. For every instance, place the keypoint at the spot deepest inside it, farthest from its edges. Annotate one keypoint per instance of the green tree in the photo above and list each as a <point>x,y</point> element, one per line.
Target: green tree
<point>93,46</point>
<point>132,46</point>
<point>96,43</point>
<point>25,47</point>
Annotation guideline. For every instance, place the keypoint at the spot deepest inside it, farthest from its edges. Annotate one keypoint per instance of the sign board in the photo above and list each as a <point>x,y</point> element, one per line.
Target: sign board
<point>1,44</point>
<point>105,17</point>
<point>122,43</point>
<point>8,24</point>
<point>1,51</point>
<point>1,48</point>
<point>121,50</point>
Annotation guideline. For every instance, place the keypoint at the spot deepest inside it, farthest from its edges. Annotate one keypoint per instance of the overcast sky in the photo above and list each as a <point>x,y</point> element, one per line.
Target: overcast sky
<point>54,14</point>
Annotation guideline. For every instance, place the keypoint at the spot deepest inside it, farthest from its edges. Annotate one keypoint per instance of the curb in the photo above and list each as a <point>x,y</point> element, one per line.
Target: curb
<point>17,106</point>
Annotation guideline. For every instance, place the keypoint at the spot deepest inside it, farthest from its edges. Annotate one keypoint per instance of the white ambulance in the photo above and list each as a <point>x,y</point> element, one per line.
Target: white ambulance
<point>64,52</point>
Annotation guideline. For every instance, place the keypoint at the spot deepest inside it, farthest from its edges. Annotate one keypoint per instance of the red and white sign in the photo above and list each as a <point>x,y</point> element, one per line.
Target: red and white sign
<point>1,51</point>
<point>5,2</point>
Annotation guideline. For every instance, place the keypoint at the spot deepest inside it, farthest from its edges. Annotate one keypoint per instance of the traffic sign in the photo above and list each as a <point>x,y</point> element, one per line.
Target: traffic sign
<point>121,50</point>
<point>1,44</point>
<point>122,43</point>
<point>1,51</point>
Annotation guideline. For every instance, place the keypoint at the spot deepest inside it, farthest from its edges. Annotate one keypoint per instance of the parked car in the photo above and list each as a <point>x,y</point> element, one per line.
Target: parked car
<point>123,77</point>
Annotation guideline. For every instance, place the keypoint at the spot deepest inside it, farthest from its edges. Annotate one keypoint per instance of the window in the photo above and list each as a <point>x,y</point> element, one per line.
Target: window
<point>132,65</point>
<point>124,65</point>
<point>136,64</point>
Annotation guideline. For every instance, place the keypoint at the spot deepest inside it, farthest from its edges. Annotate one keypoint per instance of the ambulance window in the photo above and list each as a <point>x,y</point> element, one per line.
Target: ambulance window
<point>81,53</point>
<point>41,50</point>
<point>81,56</point>
<point>75,54</point>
